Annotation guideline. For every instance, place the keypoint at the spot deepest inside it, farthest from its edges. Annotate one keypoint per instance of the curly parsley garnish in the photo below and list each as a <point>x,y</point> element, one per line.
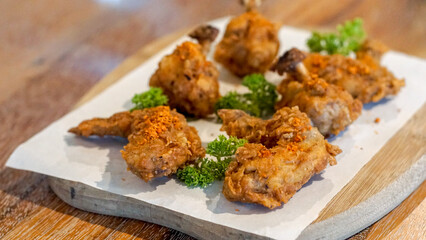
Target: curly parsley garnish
<point>258,102</point>
<point>152,98</point>
<point>348,38</point>
<point>206,171</point>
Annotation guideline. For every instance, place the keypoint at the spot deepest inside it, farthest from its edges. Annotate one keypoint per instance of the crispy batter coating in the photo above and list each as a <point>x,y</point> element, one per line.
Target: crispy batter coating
<point>119,124</point>
<point>330,107</point>
<point>364,78</point>
<point>272,176</point>
<point>285,124</point>
<point>249,45</point>
<point>160,141</point>
<point>188,80</point>
<point>371,52</point>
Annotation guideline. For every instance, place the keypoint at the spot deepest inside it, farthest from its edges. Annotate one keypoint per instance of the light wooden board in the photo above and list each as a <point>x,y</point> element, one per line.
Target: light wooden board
<point>384,182</point>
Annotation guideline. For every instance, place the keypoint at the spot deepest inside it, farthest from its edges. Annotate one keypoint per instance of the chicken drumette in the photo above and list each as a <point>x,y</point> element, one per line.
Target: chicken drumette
<point>364,78</point>
<point>330,107</point>
<point>249,45</point>
<point>187,78</point>
<point>160,141</point>
<point>270,176</point>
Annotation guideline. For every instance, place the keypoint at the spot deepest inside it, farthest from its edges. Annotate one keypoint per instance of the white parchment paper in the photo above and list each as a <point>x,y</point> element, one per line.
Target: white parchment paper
<point>98,162</point>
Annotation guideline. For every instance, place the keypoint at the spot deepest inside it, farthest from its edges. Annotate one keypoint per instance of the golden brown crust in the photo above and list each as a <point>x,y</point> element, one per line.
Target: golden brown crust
<point>286,124</point>
<point>188,80</point>
<point>241,125</point>
<point>364,78</point>
<point>249,45</point>
<point>330,108</point>
<point>160,141</point>
<point>272,176</point>
<point>118,124</point>
<point>371,52</point>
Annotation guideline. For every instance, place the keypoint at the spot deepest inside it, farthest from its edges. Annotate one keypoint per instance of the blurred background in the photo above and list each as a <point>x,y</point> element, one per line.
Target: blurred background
<point>53,51</point>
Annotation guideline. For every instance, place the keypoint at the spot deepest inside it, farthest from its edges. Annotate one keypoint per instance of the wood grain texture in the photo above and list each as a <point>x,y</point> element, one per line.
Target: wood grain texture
<point>407,217</point>
<point>413,227</point>
<point>53,51</point>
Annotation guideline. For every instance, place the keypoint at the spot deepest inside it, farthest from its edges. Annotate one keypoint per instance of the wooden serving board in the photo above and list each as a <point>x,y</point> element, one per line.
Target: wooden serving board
<point>382,184</point>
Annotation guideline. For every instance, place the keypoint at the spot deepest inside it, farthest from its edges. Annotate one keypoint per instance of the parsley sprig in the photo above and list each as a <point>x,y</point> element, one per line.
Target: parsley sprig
<point>206,171</point>
<point>152,98</point>
<point>348,38</point>
<point>259,101</point>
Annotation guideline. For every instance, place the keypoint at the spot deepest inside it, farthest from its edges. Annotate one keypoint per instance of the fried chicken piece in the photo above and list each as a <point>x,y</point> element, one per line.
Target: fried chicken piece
<point>364,78</point>
<point>160,141</point>
<point>249,45</point>
<point>330,107</point>
<point>272,176</point>
<point>118,125</point>
<point>285,124</point>
<point>371,52</point>
<point>187,78</point>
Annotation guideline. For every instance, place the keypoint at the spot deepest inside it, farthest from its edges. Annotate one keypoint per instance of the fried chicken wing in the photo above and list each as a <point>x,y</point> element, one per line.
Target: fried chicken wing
<point>241,125</point>
<point>330,107</point>
<point>286,124</point>
<point>118,125</point>
<point>371,52</point>
<point>364,78</point>
<point>187,78</point>
<point>272,176</point>
<point>249,45</point>
<point>160,141</point>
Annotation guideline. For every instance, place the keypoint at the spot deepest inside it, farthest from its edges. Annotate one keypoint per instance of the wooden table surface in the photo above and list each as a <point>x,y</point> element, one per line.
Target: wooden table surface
<point>53,51</point>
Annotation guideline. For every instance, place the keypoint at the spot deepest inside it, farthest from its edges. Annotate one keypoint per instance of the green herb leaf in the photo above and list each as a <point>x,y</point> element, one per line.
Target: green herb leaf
<point>232,100</point>
<point>259,101</point>
<point>262,94</point>
<point>348,38</point>
<point>152,98</point>
<point>206,171</point>
<point>224,147</point>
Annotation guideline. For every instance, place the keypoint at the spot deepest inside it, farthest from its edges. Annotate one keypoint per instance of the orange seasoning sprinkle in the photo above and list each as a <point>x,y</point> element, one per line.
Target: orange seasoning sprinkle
<point>355,67</point>
<point>296,122</point>
<point>158,121</point>
<point>352,69</point>
<point>299,138</point>
<point>299,128</point>
<point>365,70</point>
<point>264,152</point>
<point>292,147</point>
<point>315,80</point>
<point>318,61</point>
